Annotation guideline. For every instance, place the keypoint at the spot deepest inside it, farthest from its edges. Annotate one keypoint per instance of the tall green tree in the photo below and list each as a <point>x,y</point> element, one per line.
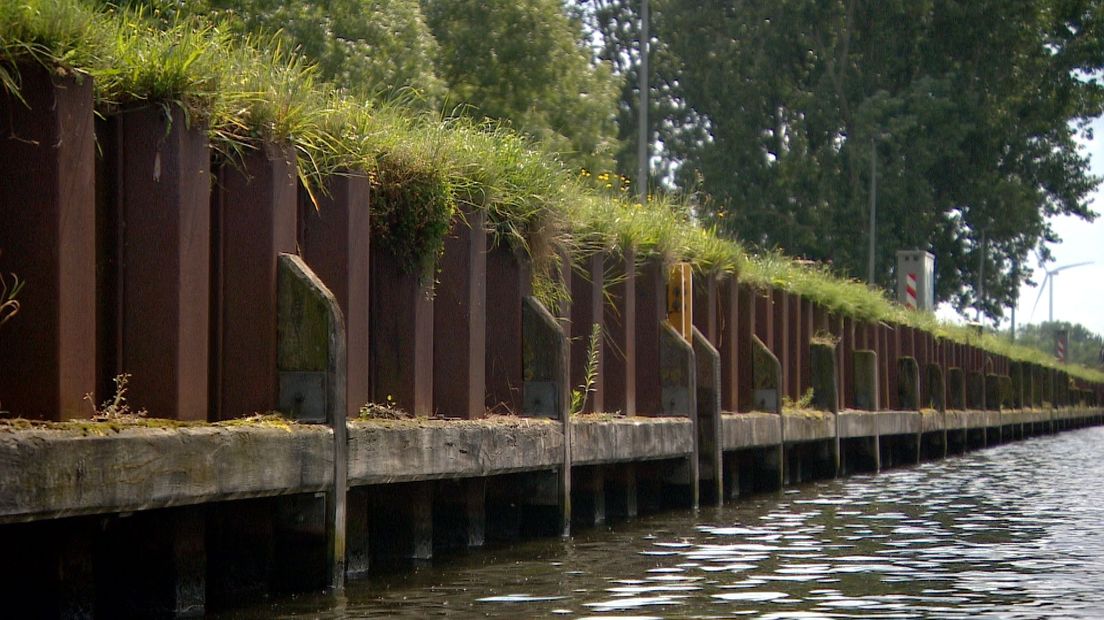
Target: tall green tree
<point>377,48</point>
<point>525,62</point>
<point>969,109</point>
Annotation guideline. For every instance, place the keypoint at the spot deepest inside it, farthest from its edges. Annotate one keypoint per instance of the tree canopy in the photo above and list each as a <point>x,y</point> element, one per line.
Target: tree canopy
<point>772,112</point>
<point>524,62</point>
<point>1085,346</point>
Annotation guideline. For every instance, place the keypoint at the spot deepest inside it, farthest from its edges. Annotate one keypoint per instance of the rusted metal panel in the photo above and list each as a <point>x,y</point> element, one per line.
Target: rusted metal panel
<point>779,345</point>
<point>707,303</point>
<point>47,201</point>
<point>400,334</point>
<point>510,277</point>
<point>586,311</point>
<point>808,322</point>
<point>335,240</point>
<point>728,342</point>
<point>745,333</point>
<point>848,349</point>
<point>253,215</point>
<point>620,321</point>
<point>893,353</point>
<point>460,320</point>
<point>651,311</point>
<point>164,210</point>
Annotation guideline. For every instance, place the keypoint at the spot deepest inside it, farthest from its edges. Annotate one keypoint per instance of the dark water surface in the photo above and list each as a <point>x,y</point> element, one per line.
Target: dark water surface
<point>1016,531</point>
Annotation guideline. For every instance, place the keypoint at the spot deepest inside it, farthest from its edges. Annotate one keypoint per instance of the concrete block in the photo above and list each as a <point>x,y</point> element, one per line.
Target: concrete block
<point>866,380</point>
<point>624,439</point>
<point>750,430</point>
<point>460,320</point>
<point>936,388</point>
<point>908,384</point>
<point>48,239</point>
<point>767,381</point>
<point>822,360</point>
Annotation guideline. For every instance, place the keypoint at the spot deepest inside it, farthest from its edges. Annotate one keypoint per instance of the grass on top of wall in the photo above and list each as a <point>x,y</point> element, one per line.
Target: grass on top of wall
<point>422,168</point>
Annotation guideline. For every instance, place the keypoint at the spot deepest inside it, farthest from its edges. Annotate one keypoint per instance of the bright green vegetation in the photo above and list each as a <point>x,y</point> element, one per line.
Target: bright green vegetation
<point>422,168</point>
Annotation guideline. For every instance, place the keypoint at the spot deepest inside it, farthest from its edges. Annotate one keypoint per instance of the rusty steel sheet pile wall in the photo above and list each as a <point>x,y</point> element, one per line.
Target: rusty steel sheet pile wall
<point>651,314</point>
<point>253,220</point>
<point>164,207</point>
<point>335,239</point>
<point>460,320</point>
<point>510,272</point>
<point>47,146</point>
<point>587,310</point>
<point>620,321</point>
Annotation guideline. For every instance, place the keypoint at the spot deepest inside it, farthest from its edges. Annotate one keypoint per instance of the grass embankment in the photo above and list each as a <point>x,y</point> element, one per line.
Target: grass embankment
<point>422,169</point>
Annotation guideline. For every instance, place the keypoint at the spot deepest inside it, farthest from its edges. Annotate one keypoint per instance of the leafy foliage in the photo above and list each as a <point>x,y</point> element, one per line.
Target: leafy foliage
<point>773,111</point>
<point>524,62</point>
<point>1085,346</point>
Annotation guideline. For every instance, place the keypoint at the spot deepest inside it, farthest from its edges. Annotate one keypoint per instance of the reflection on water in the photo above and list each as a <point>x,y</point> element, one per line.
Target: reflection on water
<point>1012,532</point>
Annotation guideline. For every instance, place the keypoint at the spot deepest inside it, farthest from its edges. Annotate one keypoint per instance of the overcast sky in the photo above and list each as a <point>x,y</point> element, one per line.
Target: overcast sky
<point>1079,292</point>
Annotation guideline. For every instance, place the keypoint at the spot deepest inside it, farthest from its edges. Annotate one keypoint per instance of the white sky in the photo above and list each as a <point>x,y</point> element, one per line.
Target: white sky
<point>1078,292</point>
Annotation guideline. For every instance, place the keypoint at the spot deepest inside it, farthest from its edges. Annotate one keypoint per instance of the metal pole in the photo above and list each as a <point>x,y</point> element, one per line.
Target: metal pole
<point>642,117</point>
<point>873,217</point>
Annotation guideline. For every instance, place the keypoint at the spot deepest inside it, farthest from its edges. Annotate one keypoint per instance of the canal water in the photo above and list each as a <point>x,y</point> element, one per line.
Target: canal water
<point>1015,531</point>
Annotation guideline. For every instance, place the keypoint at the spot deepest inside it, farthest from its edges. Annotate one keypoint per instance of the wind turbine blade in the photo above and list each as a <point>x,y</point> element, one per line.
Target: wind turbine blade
<point>1064,267</point>
<point>1042,289</point>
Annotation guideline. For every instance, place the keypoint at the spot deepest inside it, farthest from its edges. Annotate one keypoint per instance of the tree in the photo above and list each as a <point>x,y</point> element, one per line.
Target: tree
<point>376,48</point>
<point>1085,345</point>
<point>525,62</point>
<point>969,107</point>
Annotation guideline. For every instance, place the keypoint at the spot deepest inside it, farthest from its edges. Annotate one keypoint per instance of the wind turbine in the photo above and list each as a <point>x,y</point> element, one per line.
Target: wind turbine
<point>1050,278</point>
